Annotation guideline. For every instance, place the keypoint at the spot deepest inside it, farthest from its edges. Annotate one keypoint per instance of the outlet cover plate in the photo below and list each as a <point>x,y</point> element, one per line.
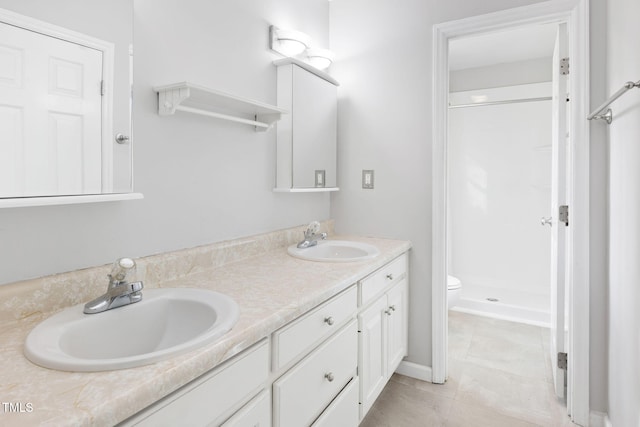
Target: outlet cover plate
<point>367,179</point>
<point>320,178</point>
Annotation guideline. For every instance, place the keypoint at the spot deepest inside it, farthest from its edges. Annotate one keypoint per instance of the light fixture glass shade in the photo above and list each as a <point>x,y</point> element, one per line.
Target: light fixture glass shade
<point>320,58</point>
<point>288,42</point>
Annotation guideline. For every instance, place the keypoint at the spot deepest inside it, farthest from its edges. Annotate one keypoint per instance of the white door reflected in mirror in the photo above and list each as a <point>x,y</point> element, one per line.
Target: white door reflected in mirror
<point>65,94</point>
<point>51,117</point>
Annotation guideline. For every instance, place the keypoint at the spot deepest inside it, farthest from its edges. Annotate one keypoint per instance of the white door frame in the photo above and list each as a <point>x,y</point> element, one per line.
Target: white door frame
<point>575,13</point>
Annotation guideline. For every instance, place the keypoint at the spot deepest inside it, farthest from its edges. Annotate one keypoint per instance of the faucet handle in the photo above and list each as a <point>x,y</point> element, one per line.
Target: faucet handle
<point>121,268</point>
<point>312,228</point>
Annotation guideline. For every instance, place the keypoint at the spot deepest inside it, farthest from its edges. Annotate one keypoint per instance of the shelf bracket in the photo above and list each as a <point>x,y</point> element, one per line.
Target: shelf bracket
<point>269,119</point>
<point>169,100</point>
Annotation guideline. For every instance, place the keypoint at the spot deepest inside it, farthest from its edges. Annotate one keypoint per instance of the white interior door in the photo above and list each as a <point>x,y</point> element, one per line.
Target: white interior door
<point>558,198</point>
<point>50,115</point>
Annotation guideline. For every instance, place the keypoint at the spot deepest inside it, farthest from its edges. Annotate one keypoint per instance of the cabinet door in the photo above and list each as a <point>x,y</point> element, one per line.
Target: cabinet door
<point>396,314</point>
<point>373,353</point>
<point>314,129</point>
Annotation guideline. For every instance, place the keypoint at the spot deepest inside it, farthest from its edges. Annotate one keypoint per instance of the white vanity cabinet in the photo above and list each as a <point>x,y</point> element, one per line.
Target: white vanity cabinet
<point>382,324</point>
<point>212,398</point>
<point>302,394</point>
<point>322,346</point>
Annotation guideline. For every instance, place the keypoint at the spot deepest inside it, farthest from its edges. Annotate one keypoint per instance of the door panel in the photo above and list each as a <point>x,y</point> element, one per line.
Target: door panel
<point>558,198</point>
<point>373,353</point>
<point>65,121</point>
<point>397,330</point>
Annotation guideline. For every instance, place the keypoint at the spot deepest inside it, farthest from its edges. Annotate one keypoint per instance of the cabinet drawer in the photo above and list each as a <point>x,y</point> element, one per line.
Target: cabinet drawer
<point>304,391</point>
<point>256,413</point>
<point>299,335</point>
<point>343,411</point>
<point>213,396</point>
<point>376,283</point>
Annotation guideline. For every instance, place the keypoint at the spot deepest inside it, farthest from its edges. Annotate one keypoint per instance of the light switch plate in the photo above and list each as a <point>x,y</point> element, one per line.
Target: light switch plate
<point>367,179</point>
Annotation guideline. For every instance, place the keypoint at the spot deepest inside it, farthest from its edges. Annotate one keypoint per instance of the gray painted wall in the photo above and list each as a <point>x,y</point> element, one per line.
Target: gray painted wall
<point>623,64</point>
<point>204,180</point>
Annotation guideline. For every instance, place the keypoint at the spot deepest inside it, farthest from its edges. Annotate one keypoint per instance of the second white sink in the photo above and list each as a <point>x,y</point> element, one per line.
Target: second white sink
<point>335,251</point>
<point>167,322</point>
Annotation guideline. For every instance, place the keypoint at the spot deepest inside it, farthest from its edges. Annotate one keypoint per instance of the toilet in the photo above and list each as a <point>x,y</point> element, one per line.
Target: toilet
<point>454,289</point>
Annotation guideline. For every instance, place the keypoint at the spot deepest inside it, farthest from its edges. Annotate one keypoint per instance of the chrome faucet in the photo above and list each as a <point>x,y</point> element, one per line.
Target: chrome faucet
<point>120,292</point>
<point>311,235</point>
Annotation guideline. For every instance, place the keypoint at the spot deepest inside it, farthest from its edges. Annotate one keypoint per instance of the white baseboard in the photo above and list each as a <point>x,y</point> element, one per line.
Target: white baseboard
<point>414,370</point>
<point>599,419</point>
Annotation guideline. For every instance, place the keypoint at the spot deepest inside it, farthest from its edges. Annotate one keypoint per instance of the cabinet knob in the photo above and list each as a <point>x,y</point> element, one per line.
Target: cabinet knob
<point>390,276</point>
<point>329,320</point>
<point>329,376</point>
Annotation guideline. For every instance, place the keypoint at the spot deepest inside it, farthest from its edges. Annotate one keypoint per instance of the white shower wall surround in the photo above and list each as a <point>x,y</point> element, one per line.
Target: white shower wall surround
<point>500,187</point>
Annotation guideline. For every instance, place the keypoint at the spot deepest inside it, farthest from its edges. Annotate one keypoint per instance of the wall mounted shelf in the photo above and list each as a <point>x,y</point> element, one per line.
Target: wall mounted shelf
<point>195,99</point>
<point>21,202</point>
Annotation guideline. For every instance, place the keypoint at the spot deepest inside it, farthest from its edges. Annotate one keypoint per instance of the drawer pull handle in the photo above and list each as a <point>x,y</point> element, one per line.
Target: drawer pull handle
<point>392,307</point>
<point>329,376</point>
<point>388,312</point>
<point>390,276</point>
<point>329,320</point>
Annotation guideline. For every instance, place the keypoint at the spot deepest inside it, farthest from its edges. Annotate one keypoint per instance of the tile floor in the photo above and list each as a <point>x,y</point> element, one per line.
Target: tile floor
<point>499,375</point>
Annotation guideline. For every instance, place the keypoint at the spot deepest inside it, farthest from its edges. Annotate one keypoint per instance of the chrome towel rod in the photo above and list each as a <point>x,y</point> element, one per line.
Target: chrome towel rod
<point>607,116</point>
<point>507,101</point>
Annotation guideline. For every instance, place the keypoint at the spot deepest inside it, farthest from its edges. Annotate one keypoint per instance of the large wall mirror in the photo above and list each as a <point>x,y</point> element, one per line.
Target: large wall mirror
<point>66,69</point>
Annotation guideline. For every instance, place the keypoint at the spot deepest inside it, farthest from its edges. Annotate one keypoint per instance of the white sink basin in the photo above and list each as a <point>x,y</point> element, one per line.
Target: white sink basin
<point>336,251</point>
<point>167,322</point>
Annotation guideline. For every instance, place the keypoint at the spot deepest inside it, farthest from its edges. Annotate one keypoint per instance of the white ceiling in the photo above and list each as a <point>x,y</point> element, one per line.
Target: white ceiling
<point>530,42</point>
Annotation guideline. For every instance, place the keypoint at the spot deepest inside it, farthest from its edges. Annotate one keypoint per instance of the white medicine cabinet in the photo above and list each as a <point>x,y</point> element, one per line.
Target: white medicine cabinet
<point>307,137</point>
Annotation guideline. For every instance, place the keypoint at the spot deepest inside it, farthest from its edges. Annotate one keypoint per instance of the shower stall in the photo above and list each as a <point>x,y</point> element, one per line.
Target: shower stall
<point>499,174</point>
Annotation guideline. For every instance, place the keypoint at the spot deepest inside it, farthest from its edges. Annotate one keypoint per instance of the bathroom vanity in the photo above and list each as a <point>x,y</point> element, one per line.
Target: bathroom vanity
<point>324,368</point>
<point>315,342</point>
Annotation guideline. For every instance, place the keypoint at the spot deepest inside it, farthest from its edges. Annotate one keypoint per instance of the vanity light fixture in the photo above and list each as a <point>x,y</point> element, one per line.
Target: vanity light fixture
<point>288,42</point>
<point>320,58</point>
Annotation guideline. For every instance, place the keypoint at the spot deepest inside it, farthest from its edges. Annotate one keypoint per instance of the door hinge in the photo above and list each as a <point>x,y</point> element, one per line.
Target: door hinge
<point>562,361</point>
<point>563,214</point>
<point>564,66</point>
<point>103,88</point>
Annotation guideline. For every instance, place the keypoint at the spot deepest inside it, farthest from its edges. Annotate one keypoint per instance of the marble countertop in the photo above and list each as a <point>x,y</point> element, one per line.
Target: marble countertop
<point>271,290</point>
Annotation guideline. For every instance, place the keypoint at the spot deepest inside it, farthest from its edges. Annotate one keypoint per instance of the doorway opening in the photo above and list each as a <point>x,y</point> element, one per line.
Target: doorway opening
<point>573,15</point>
<point>499,173</point>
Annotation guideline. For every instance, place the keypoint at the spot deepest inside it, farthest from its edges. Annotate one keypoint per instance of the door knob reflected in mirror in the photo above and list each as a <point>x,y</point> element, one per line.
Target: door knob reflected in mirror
<point>121,138</point>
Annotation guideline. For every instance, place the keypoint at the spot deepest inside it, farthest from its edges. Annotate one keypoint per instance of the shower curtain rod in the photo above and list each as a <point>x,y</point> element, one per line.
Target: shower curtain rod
<point>507,101</point>
<point>608,115</point>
